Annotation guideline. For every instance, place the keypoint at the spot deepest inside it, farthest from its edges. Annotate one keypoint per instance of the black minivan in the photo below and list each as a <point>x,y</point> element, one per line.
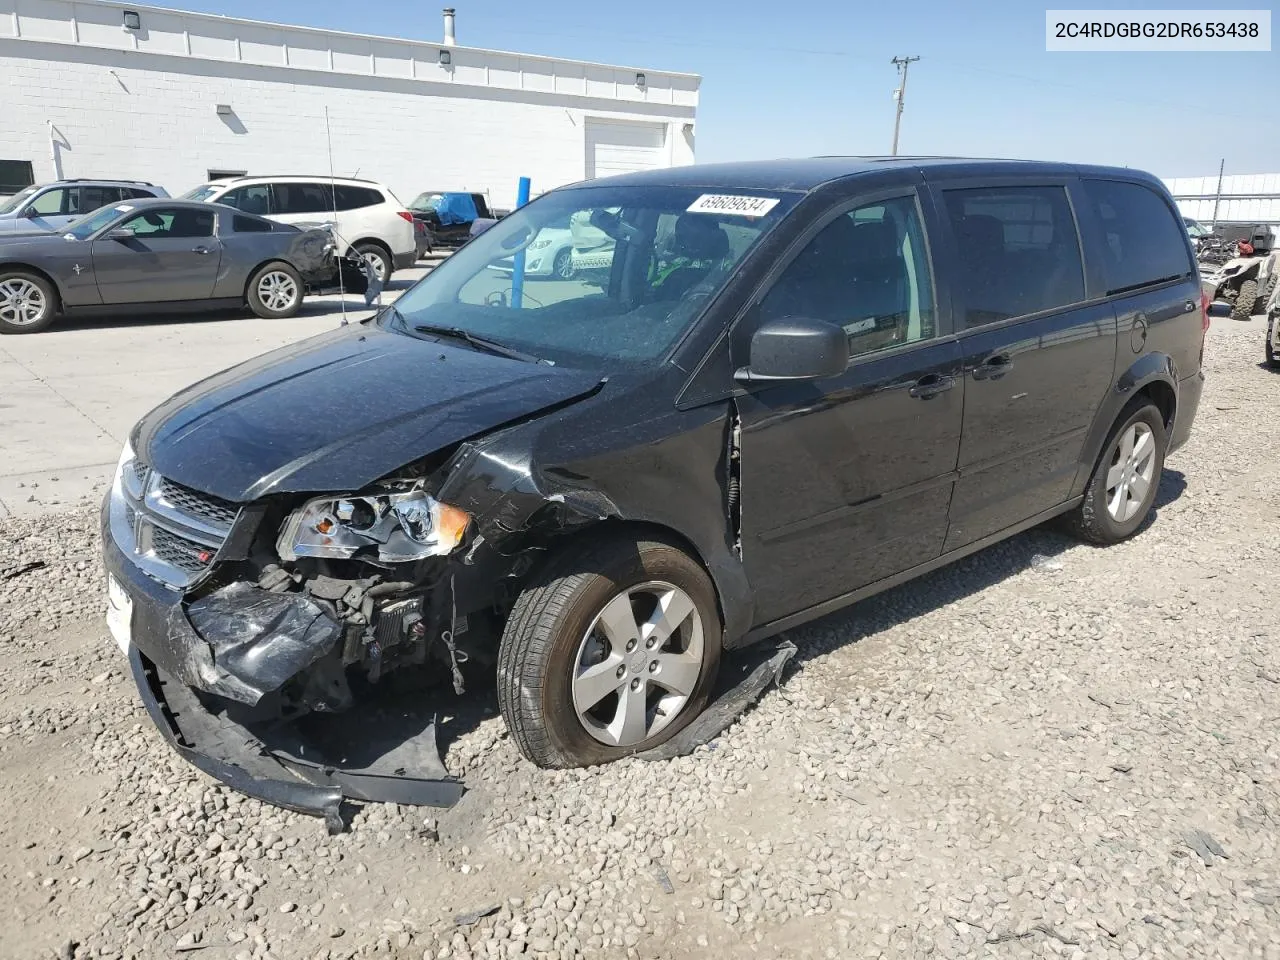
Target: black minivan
<point>786,386</point>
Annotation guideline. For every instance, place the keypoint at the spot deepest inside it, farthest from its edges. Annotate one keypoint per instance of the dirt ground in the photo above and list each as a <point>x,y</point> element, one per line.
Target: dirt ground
<point>1047,749</point>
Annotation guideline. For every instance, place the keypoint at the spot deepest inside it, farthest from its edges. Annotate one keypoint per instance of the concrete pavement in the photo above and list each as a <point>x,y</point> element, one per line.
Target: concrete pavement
<point>69,396</point>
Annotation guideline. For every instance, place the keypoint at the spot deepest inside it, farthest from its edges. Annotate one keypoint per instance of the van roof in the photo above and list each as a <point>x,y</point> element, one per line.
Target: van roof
<point>804,174</point>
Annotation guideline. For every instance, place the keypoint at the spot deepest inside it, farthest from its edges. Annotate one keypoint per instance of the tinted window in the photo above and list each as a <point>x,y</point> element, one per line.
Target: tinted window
<point>353,198</point>
<point>867,271</point>
<point>50,203</point>
<point>88,199</point>
<point>1144,243</point>
<point>1019,252</point>
<point>250,225</point>
<point>302,198</point>
<point>135,193</point>
<point>254,199</point>
<point>162,223</point>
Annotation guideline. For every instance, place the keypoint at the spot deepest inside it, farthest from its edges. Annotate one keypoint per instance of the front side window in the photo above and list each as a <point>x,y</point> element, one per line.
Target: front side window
<point>646,260</point>
<point>868,272</point>
<point>51,203</point>
<point>1019,251</point>
<point>255,199</point>
<point>1143,243</point>
<point>163,223</point>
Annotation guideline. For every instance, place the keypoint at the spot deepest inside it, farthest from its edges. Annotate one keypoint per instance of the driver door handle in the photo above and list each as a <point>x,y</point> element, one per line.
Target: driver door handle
<point>201,249</point>
<point>993,368</point>
<point>930,385</point>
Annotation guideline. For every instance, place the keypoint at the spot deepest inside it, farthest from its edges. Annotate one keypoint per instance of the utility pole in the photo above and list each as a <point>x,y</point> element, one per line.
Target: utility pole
<point>1217,198</point>
<point>903,64</point>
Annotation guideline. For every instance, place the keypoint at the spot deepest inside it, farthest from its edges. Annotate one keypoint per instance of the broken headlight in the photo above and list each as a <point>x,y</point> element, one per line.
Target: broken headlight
<point>401,526</point>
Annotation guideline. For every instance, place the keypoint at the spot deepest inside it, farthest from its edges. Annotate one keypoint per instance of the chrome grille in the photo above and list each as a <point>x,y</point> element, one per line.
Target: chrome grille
<point>171,531</point>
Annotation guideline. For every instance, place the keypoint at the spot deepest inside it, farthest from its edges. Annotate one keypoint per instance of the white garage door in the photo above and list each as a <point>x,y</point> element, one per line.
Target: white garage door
<point>620,146</point>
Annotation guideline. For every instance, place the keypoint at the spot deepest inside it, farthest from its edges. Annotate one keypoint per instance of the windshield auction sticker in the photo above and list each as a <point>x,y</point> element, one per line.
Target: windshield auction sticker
<point>737,205</point>
<point>1158,30</point>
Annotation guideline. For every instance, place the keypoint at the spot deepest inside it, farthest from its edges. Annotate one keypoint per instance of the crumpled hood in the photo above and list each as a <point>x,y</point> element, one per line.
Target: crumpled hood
<point>337,411</point>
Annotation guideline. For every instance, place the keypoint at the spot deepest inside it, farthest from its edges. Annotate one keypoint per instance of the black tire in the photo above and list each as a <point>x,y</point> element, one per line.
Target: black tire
<point>369,249</point>
<point>265,309</point>
<point>1265,297</point>
<point>1091,520</point>
<point>1242,308</point>
<point>26,279</point>
<point>539,650</point>
<point>562,268</point>
<point>1268,350</point>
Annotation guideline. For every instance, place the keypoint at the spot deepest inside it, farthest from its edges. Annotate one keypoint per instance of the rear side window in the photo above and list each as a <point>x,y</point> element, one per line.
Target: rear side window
<point>136,193</point>
<point>1019,251</point>
<point>88,199</point>
<point>354,198</point>
<point>302,198</point>
<point>1145,242</point>
<point>250,225</point>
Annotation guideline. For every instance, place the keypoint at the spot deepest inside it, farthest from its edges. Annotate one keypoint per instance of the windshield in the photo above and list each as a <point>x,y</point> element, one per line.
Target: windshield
<point>17,200</point>
<point>91,223</point>
<point>1194,228</point>
<point>202,192</point>
<point>637,266</point>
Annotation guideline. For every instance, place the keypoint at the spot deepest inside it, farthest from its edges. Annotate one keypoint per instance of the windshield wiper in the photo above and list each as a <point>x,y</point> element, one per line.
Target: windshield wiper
<point>483,344</point>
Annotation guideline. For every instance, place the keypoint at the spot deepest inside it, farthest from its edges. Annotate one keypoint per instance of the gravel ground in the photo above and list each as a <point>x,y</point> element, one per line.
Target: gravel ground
<point>1045,750</point>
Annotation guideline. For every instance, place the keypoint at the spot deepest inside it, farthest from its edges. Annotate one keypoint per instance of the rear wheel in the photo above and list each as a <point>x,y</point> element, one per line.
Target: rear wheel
<point>612,651</point>
<point>1124,483</point>
<point>1242,308</point>
<point>1269,349</point>
<point>378,258</point>
<point>275,291</point>
<point>28,302</point>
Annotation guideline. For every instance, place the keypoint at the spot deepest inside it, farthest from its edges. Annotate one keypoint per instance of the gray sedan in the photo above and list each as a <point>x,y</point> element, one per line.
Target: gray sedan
<point>151,255</point>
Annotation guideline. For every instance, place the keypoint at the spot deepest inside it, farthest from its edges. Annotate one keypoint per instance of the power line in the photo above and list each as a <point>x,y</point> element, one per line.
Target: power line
<point>903,64</point>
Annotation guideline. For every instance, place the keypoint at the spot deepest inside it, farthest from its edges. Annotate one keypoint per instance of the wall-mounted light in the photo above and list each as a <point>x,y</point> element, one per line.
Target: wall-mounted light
<point>446,58</point>
<point>640,80</point>
<point>132,20</point>
<point>224,110</point>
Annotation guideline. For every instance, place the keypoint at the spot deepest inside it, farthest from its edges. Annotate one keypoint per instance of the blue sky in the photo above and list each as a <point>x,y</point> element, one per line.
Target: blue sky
<point>814,76</point>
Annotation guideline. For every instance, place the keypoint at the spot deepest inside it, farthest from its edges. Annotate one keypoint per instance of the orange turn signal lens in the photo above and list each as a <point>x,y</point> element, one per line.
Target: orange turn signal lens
<point>452,524</point>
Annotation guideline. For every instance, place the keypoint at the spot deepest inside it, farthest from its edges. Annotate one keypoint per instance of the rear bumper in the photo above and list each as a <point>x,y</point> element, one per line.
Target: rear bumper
<point>1189,391</point>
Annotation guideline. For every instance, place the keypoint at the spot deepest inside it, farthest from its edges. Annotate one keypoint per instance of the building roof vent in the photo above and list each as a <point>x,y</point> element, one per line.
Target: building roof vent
<point>449,40</point>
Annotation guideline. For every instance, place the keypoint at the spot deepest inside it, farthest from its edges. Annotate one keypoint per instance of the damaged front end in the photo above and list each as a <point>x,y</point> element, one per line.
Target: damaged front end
<point>258,636</point>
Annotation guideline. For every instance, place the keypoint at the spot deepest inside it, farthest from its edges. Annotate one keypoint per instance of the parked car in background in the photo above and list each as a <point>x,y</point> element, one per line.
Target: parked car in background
<point>805,382</point>
<point>368,218</point>
<point>51,206</point>
<point>163,254</point>
<point>565,248</point>
<point>448,216</point>
<point>1195,229</point>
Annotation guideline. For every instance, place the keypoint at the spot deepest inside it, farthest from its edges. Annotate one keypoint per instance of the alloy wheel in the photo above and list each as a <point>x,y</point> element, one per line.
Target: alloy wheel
<point>21,302</point>
<point>377,263</point>
<point>277,290</point>
<point>1129,477</point>
<point>638,664</point>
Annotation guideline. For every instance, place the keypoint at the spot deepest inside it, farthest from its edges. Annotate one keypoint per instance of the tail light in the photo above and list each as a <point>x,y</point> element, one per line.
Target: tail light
<point>405,214</point>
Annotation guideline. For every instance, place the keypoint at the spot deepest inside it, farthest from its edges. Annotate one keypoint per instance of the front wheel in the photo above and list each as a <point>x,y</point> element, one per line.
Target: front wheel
<point>28,302</point>
<point>563,265</point>
<point>1124,483</point>
<point>275,292</point>
<point>1269,349</point>
<point>612,651</point>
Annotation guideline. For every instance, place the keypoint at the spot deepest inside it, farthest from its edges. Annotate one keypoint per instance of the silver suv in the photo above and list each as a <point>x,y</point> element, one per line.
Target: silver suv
<point>51,206</point>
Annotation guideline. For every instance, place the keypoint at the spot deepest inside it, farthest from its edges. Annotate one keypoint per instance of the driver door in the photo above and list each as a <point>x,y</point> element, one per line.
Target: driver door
<point>171,255</point>
<point>847,480</point>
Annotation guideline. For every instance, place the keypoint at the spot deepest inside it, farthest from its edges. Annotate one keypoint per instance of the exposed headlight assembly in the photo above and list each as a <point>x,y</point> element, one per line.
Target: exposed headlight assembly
<point>402,525</point>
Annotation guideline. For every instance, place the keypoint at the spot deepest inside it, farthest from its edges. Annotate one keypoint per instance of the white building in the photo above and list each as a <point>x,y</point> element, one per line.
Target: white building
<point>94,88</point>
<point>1244,199</point>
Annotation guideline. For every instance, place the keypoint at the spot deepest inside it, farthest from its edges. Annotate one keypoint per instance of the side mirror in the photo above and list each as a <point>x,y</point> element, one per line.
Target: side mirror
<point>119,233</point>
<point>796,348</point>
<point>29,213</point>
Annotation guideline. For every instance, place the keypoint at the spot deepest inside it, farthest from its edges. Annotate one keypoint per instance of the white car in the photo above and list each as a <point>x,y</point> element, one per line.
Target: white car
<point>563,250</point>
<point>367,217</point>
